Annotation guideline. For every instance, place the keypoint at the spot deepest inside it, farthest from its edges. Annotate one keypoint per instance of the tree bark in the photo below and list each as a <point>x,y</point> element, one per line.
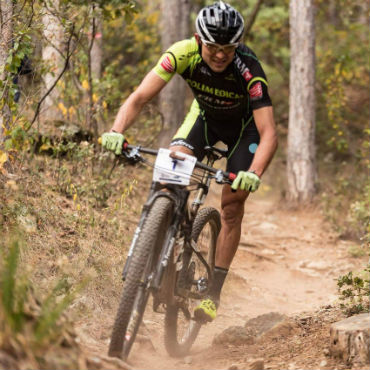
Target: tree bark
<point>6,34</point>
<point>174,27</point>
<point>301,166</point>
<point>52,56</point>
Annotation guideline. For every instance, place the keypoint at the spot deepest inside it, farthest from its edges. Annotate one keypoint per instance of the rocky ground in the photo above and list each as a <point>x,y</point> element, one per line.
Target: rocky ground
<point>277,305</point>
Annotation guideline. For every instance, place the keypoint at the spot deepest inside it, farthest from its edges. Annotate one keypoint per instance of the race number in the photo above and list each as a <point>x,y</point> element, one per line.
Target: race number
<point>173,171</point>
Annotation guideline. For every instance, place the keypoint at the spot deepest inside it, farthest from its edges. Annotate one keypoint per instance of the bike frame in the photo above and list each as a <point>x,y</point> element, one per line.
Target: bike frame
<point>183,216</point>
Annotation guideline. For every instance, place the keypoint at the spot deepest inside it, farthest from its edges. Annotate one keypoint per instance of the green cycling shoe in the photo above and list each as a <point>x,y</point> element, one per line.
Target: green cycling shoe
<point>206,311</point>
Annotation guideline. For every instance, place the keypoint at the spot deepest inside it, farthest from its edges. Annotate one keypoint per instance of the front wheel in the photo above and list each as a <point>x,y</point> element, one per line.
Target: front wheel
<point>180,329</point>
<point>135,293</point>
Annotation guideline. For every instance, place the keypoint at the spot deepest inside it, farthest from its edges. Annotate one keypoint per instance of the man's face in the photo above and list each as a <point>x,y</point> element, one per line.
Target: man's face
<point>217,58</point>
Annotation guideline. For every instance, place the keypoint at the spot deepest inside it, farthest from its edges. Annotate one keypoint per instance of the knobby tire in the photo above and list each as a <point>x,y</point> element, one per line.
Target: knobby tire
<point>135,295</point>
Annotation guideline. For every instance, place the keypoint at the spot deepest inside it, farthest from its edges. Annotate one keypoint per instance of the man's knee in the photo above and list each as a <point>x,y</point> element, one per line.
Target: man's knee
<point>181,148</point>
<point>232,207</point>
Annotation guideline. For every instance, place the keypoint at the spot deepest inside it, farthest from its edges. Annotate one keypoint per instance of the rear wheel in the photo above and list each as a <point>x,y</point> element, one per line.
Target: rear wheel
<point>135,293</point>
<point>180,329</point>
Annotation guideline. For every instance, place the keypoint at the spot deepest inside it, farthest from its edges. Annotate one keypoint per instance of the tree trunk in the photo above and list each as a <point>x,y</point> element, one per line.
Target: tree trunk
<point>97,51</point>
<point>52,56</point>
<point>252,18</point>
<point>301,164</point>
<point>349,339</point>
<point>334,18</point>
<point>6,34</point>
<point>174,27</point>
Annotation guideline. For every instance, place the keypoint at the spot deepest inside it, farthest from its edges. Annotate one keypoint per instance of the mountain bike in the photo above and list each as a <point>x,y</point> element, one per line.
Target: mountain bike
<point>172,253</point>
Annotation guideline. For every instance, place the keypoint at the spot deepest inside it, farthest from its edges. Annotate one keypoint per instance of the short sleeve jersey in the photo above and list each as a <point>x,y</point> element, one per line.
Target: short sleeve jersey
<point>231,94</point>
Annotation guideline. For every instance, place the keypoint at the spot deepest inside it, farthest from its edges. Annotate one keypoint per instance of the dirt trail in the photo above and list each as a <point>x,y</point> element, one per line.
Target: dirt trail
<point>287,262</point>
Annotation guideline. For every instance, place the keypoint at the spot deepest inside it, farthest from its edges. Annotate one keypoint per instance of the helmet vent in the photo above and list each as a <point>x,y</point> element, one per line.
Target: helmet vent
<point>220,23</point>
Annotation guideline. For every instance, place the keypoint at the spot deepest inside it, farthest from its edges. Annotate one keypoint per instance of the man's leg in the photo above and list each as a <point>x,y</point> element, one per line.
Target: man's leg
<point>232,212</point>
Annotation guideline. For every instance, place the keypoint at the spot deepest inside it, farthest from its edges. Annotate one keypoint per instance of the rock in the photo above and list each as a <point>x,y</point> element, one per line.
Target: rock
<point>235,335</point>
<point>267,227</point>
<point>317,265</point>
<point>145,341</point>
<point>272,324</point>
<point>265,322</point>
<point>257,364</point>
<point>233,367</point>
<point>281,329</point>
<point>94,362</point>
<point>115,362</point>
<point>323,363</point>
<point>349,339</point>
<point>305,320</point>
<point>188,360</point>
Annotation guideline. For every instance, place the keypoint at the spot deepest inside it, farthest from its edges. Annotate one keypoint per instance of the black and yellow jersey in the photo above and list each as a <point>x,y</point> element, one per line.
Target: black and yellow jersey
<point>229,95</point>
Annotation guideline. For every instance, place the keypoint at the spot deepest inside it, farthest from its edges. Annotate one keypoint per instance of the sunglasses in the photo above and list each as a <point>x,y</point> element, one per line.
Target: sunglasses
<point>214,48</point>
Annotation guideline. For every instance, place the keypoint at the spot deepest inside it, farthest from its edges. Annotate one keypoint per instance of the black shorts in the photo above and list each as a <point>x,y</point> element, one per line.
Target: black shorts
<point>241,138</point>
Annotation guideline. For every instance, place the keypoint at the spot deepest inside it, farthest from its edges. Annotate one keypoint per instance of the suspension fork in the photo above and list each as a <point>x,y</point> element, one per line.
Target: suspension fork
<point>167,249</point>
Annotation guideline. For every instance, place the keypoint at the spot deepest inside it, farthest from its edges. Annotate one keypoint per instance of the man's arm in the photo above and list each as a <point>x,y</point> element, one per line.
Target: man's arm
<point>148,89</point>
<point>264,119</point>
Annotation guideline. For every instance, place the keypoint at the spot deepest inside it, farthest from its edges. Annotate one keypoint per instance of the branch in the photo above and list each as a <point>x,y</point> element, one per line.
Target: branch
<point>252,18</point>
<point>69,53</point>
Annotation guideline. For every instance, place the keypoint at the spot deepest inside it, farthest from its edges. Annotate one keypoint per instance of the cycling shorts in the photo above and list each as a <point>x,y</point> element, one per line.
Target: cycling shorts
<point>241,138</point>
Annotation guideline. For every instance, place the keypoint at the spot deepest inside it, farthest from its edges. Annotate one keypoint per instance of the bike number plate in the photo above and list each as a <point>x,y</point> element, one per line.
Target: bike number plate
<point>173,171</point>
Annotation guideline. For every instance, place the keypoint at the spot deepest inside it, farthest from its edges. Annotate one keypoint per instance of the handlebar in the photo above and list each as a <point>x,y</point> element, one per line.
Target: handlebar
<point>132,152</point>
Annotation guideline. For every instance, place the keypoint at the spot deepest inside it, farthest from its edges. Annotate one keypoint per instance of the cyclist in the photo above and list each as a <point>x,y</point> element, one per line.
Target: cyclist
<point>231,105</point>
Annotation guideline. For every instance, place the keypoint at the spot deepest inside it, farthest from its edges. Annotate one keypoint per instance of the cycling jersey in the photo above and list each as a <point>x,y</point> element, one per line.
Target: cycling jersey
<point>224,101</point>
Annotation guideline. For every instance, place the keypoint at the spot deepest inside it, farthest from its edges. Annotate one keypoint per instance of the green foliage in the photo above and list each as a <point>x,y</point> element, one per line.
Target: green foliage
<point>13,295</point>
<point>22,46</point>
<point>354,292</point>
<point>51,310</point>
<point>17,294</point>
<point>342,115</point>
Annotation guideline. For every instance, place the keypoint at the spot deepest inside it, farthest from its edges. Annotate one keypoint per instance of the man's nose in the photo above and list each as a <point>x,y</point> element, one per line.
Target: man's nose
<point>220,54</point>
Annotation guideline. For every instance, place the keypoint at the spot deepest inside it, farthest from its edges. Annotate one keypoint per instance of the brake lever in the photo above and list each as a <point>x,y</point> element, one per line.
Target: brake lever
<point>219,177</point>
<point>133,156</point>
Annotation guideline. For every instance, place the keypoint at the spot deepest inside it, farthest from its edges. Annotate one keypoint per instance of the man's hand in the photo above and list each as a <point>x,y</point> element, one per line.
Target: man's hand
<point>113,141</point>
<point>247,181</point>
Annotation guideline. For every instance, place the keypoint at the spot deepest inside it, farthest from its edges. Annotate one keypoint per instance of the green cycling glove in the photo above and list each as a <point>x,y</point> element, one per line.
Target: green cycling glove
<point>113,141</point>
<point>247,181</point>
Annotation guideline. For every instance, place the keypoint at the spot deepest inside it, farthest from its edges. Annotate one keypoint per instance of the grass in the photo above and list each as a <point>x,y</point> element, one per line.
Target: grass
<point>64,240</point>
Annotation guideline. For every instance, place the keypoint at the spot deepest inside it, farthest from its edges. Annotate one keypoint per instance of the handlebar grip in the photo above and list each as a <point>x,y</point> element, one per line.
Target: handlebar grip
<point>232,176</point>
<point>124,145</point>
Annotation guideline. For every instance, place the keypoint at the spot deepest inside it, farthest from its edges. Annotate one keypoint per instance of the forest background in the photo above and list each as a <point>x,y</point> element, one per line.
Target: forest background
<point>55,106</point>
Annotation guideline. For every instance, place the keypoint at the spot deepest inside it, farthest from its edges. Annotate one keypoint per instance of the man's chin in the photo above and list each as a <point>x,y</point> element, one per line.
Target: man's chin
<point>218,68</point>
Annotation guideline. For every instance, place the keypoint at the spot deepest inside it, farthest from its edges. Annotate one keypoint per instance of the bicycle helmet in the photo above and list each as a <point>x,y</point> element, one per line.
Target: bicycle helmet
<point>220,23</point>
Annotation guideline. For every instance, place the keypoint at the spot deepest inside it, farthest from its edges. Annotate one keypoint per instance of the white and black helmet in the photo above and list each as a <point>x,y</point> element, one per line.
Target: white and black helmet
<point>220,23</point>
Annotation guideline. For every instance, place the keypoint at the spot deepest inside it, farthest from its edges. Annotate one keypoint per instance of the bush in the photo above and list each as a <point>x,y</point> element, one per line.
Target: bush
<point>354,291</point>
